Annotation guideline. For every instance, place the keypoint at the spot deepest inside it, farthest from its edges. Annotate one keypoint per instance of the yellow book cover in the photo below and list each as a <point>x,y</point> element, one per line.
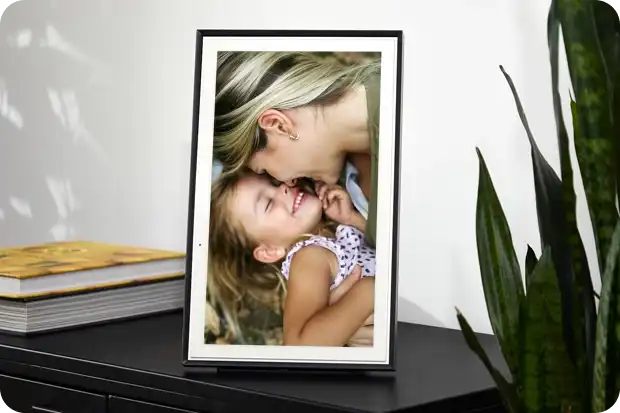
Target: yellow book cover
<point>65,257</point>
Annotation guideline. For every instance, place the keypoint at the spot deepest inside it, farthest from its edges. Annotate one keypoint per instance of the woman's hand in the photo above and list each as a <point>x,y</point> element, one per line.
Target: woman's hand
<point>364,336</point>
<point>344,287</point>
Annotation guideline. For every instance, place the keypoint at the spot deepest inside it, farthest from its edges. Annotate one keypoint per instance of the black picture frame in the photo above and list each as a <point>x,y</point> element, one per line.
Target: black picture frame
<point>194,363</point>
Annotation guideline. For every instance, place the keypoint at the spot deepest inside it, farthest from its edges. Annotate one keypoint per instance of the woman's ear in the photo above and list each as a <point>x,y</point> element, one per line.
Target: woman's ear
<point>274,121</point>
<point>268,255</point>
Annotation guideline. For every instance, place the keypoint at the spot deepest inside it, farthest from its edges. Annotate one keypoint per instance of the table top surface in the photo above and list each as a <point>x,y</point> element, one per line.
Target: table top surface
<point>432,365</point>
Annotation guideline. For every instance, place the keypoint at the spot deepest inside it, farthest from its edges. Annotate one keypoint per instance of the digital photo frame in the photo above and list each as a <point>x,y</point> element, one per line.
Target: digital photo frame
<point>293,204</point>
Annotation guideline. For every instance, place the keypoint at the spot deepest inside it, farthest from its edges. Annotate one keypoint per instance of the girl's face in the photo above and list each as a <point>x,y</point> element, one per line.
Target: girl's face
<point>274,216</point>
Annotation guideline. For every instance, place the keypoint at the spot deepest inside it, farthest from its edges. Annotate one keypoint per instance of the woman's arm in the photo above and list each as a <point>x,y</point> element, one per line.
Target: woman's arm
<point>366,165</point>
<point>309,320</point>
<point>357,221</point>
<point>363,337</point>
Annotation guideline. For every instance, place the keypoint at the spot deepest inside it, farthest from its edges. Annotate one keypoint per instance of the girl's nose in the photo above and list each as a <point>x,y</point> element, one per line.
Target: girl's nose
<point>291,182</point>
<point>284,188</point>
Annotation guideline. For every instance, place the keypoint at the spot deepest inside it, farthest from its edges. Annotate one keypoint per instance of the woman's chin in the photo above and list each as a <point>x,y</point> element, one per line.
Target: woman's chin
<point>330,180</point>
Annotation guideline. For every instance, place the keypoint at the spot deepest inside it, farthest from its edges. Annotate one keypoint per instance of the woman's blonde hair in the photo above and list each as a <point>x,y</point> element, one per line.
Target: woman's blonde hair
<point>233,272</point>
<point>248,83</point>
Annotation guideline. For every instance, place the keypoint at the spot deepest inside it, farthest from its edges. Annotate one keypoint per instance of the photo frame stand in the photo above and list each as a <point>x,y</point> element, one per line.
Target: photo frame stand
<point>202,372</point>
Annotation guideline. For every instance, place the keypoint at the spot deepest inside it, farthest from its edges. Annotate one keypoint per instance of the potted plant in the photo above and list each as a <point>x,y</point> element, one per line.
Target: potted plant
<point>559,338</point>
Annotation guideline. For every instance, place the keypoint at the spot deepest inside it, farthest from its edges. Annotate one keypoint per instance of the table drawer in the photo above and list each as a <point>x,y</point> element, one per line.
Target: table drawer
<point>26,396</point>
<point>122,405</point>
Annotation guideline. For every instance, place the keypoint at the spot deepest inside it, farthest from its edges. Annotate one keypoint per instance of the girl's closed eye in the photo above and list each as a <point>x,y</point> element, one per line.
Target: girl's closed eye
<point>268,204</point>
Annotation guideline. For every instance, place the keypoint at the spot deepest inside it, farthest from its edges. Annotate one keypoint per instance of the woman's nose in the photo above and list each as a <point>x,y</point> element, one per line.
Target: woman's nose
<point>291,182</point>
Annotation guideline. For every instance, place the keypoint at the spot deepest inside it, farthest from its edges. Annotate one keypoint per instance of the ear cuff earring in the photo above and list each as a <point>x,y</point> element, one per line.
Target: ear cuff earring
<point>293,137</point>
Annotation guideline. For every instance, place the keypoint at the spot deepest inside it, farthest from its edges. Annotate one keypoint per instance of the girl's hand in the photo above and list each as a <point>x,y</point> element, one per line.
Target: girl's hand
<point>336,202</point>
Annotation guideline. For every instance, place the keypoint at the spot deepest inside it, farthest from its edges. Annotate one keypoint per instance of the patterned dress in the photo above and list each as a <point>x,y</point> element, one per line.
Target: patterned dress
<point>350,248</point>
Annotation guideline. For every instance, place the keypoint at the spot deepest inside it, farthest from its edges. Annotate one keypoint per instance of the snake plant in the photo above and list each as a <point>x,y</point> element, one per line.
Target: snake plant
<point>562,350</point>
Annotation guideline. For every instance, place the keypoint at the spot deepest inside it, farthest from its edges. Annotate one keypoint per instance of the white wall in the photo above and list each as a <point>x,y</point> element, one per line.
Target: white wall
<point>96,114</point>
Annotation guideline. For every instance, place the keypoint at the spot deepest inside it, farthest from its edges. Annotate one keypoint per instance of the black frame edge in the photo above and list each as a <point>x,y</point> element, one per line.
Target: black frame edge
<point>192,194</point>
<point>396,200</point>
<point>199,365</point>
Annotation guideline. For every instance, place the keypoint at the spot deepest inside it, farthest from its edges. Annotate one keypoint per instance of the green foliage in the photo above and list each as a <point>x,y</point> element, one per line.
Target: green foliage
<point>562,356</point>
<point>606,361</point>
<point>499,267</point>
<point>507,389</point>
<point>549,378</point>
<point>593,97</point>
<point>530,264</point>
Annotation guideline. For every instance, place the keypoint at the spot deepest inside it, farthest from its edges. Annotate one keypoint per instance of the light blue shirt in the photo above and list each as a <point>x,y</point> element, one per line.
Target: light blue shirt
<point>216,170</point>
<point>351,173</point>
<point>355,191</point>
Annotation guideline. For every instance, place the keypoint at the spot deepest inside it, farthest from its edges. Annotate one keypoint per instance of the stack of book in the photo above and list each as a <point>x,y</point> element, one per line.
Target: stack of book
<point>68,284</point>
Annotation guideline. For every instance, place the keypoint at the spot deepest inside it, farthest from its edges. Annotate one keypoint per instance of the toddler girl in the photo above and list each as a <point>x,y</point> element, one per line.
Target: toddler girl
<point>259,230</point>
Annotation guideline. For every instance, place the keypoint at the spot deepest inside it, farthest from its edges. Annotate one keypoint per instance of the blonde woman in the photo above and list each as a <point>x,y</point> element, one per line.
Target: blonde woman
<point>292,115</point>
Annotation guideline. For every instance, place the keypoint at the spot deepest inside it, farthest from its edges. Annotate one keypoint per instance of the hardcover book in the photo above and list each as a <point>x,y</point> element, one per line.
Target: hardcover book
<point>67,284</point>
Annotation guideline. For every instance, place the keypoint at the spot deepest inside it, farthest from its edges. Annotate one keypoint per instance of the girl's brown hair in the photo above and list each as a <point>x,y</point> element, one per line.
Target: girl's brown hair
<point>233,272</point>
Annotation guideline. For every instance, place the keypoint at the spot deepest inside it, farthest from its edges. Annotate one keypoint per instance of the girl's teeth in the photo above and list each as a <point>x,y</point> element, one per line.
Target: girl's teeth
<point>298,200</point>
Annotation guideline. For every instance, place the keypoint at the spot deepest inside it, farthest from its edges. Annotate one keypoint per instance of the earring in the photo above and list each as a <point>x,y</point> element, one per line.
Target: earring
<point>293,137</point>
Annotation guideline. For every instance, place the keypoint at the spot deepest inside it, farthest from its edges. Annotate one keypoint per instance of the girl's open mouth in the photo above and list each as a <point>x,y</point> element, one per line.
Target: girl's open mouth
<point>299,199</point>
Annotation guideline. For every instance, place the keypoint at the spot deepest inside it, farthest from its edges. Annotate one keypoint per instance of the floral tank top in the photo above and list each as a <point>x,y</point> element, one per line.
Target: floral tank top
<point>350,248</point>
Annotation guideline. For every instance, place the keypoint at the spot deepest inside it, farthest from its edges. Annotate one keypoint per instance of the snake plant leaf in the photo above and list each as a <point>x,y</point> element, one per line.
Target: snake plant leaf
<point>608,31</point>
<point>550,382</point>
<point>613,67</point>
<point>507,390</point>
<point>530,263</point>
<point>586,294</point>
<point>551,210</point>
<point>595,145</point>
<point>582,300</point>
<point>499,267</point>
<point>607,356</point>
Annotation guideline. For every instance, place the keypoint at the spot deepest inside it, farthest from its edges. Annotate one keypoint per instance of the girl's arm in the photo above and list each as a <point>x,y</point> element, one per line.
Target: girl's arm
<point>309,320</point>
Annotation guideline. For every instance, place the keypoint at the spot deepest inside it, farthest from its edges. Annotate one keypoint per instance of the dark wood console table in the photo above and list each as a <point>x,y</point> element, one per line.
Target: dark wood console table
<point>135,367</point>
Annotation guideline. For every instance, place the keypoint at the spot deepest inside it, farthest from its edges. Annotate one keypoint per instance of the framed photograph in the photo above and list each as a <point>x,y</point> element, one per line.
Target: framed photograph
<point>293,209</point>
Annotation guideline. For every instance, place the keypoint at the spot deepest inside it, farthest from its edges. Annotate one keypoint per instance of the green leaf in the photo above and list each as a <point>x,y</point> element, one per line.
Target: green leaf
<point>577,272</point>
<point>499,267</point>
<point>607,25</point>
<point>607,356</point>
<point>506,389</point>
<point>552,225</point>
<point>595,145</point>
<point>608,31</point>
<point>550,381</point>
<point>530,264</point>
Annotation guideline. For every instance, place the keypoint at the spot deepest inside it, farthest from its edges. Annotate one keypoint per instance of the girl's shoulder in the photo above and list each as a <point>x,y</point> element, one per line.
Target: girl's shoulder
<point>317,247</point>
